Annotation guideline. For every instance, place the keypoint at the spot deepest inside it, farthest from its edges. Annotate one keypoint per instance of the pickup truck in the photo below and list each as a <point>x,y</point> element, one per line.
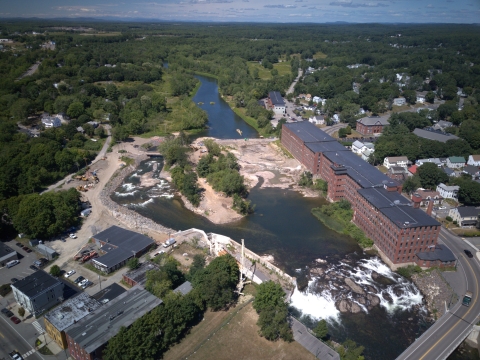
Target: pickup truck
<point>15,355</point>
<point>467,298</point>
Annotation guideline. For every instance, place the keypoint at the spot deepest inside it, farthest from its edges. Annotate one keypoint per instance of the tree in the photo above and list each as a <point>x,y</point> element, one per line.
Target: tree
<point>321,330</point>
<point>349,350</point>
<point>75,109</point>
<point>55,271</point>
<point>133,263</point>
<point>21,311</point>
<point>273,312</point>
<point>431,175</point>
<point>21,109</point>
<point>430,97</point>
<point>411,184</point>
<point>410,96</point>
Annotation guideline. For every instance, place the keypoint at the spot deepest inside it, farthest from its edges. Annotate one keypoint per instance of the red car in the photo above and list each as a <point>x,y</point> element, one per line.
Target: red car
<point>15,320</point>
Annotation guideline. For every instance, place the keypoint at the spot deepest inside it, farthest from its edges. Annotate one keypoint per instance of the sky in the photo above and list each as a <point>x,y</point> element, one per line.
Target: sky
<point>279,11</point>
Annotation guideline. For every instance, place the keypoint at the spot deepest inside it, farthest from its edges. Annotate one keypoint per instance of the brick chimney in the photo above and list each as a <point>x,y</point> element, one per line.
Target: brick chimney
<point>430,207</point>
<point>417,199</point>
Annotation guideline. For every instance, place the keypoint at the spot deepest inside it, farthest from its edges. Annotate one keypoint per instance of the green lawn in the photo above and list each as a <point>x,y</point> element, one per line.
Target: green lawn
<point>319,55</point>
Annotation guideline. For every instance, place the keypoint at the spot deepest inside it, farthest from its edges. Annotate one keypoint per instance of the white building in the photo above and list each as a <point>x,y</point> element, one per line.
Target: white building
<point>399,101</point>
<point>317,120</point>
<point>455,162</point>
<point>402,161</point>
<point>51,122</point>
<point>38,292</point>
<point>435,161</point>
<point>276,102</point>
<point>357,147</point>
<point>317,99</point>
<point>448,192</point>
<point>474,160</point>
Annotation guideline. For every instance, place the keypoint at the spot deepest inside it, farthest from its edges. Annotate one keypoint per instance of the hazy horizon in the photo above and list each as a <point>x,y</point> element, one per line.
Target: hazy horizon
<point>264,11</point>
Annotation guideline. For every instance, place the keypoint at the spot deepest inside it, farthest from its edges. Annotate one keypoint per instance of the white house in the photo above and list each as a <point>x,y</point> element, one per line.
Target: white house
<point>357,147</point>
<point>317,120</point>
<point>317,99</point>
<point>465,215</point>
<point>402,161</point>
<point>474,160</point>
<point>455,162</point>
<point>448,192</point>
<point>420,99</point>
<point>367,150</point>
<point>336,118</point>
<point>51,122</point>
<point>399,101</point>
<point>435,161</point>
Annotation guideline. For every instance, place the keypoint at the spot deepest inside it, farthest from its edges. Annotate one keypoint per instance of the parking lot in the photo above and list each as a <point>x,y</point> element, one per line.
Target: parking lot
<point>22,269</point>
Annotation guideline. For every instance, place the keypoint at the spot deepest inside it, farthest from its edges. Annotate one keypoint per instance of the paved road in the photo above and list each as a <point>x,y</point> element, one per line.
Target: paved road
<point>292,86</point>
<point>451,329</point>
<point>100,155</point>
<point>11,338</point>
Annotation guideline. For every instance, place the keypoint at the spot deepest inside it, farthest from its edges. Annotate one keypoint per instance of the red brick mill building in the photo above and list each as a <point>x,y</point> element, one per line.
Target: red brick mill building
<point>402,232</point>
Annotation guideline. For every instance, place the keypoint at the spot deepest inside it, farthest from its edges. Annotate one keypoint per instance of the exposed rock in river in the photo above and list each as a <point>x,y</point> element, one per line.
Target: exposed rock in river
<point>355,288</point>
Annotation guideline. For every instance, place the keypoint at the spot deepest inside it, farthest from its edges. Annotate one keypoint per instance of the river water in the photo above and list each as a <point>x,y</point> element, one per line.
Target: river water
<point>284,227</point>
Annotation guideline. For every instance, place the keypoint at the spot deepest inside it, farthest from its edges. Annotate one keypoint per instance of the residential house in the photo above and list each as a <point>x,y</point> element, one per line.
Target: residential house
<point>367,150</point>
<point>455,162</point>
<point>448,192</point>
<point>80,129</point>
<point>421,97</point>
<point>442,125</point>
<point>432,134</point>
<point>276,103</point>
<point>449,172</point>
<point>317,99</point>
<point>435,161</point>
<point>336,118</point>
<point>357,147</point>
<point>38,292</point>
<point>399,101</point>
<point>473,171</point>
<point>402,161</point>
<point>308,97</point>
<point>412,170</point>
<point>428,195</point>
<point>474,160</point>
<point>67,314</point>
<point>465,215</point>
<point>371,125</point>
<point>51,122</point>
<point>317,120</point>
<point>398,173</point>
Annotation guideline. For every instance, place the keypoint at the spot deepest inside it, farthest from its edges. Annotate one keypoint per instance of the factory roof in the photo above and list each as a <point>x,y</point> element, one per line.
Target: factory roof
<point>5,250</point>
<point>308,132</point>
<point>434,135</point>
<point>71,311</point>
<point>35,283</point>
<point>126,239</point>
<point>441,253</point>
<point>100,326</point>
<point>139,275</point>
<point>397,208</point>
<point>109,293</point>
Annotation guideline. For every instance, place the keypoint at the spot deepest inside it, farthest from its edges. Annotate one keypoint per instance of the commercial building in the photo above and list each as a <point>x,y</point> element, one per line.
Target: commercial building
<point>276,103</point>
<point>67,314</point>
<point>119,246</point>
<point>7,254</point>
<point>88,337</point>
<point>434,135</point>
<point>371,125</point>
<point>399,230</point>
<point>38,292</point>
<point>138,276</point>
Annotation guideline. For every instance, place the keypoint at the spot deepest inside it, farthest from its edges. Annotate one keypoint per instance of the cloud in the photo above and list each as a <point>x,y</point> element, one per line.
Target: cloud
<point>280,6</point>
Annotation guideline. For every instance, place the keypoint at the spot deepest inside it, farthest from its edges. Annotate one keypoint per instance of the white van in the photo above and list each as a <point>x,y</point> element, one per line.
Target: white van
<point>12,263</point>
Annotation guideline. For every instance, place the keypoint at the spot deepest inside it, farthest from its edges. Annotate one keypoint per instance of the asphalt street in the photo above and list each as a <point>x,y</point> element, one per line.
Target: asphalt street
<point>450,330</point>
<point>11,338</point>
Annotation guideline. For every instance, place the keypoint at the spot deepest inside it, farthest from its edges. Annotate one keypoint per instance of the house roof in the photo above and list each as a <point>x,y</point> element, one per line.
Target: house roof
<point>413,169</point>
<point>36,283</point>
<point>71,311</point>
<point>456,159</point>
<point>397,208</point>
<point>185,288</point>
<point>434,135</point>
<point>468,211</point>
<point>448,171</point>
<point>441,253</point>
<point>373,120</point>
<point>395,159</point>
<point>475,157</point>
<point>448,188</point>
<point>358,144</point>
<point>470,169</point>
<point>276,98</point>
<point>100,326</point>
<point>426,194</point>
<point>397,169</point>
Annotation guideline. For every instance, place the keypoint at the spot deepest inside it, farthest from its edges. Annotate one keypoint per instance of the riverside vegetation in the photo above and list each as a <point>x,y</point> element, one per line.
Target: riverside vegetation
<point>337,216</point>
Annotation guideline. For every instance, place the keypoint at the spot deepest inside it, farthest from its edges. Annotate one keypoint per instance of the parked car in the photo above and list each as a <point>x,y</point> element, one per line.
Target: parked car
<point>8,313</point>
<point>87,284</point>
<point>73,236</point>
<point>13,280</point>
<point>70,273</point>
<point>19,244</point>
<point>15,320</point>
<point>12,263</point>
<point>469,253</point>
<point>33,267</point>
<point>83,282</point>
<point>442,208</point>
<point>15,355</point>
<point>104,301</point>
<point>79,279</point>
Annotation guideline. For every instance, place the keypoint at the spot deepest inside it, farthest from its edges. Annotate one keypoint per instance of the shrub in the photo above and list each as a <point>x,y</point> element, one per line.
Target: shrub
<point>55,271</point>
<point>448,218</point>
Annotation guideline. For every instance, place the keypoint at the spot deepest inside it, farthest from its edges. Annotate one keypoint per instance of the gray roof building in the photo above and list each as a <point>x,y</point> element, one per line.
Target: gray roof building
<point>276,98</point>
<point>7,254</point>
<point>109,293</point>
<point>434,135</point>
<point>90,335</point>
<point>185,288</point>
<point>373,120</point>
<point>119,245</point>
<point>441,253</point>
<point>138,276</point>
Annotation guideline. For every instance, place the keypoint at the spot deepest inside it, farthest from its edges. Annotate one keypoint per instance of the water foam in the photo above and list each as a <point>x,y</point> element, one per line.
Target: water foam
<point>131,193</point>
<point>318,306</point>
<point>128,186</point>
<point>145,203</point>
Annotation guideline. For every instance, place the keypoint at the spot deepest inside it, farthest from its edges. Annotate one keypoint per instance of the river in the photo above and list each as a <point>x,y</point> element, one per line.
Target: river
<point>283,226</point>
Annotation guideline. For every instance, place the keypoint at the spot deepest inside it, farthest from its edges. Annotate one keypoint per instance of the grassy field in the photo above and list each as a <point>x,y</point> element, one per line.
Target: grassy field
<point>237,339</point>
<point>112,33</point>
<point>265,74</point>
<point>319,55</point>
